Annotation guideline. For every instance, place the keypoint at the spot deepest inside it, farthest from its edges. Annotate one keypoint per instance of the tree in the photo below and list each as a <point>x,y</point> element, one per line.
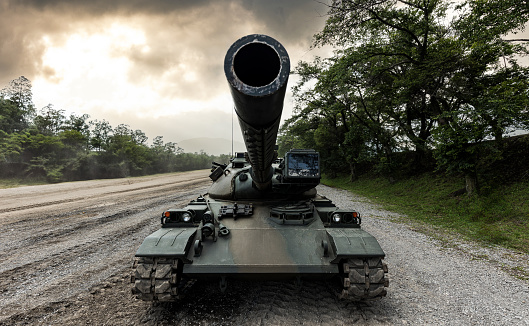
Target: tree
<point>495,18</point>
<point>490,87</point>
<point>123,155</point>
<point>404,72</point>
<point>11,162</point>
<point>380,78</point>
<point>139,137</point>
<point>58,148</point>
<point>16,105</point>
<point>11,117</point>
<point>78,123</point>
<point>41,154</point>
<point>49,121</point>
<point>101,133</point>
<point>19,91</point>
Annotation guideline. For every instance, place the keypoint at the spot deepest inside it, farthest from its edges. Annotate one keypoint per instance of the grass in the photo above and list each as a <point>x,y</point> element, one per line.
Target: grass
<point>500,215</point>
<point>19,182</point>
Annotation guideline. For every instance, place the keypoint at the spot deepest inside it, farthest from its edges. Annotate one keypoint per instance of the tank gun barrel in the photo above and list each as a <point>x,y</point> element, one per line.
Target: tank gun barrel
<point>257,69</point>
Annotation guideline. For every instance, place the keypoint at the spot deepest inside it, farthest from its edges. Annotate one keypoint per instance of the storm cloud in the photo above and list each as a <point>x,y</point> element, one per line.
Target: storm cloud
<point>171,56</point>
<point>176,32</point>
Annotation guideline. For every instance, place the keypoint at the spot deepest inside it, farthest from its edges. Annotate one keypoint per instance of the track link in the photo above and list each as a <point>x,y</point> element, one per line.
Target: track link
<point>156,279</point>
<point>364,279</point>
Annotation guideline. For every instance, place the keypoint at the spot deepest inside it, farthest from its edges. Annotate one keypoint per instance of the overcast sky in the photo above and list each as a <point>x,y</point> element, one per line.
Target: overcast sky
<point>154,65</point>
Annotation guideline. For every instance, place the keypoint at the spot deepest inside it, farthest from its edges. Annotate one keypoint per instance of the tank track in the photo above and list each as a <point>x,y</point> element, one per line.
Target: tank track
<point>157,279</point>
<point>364,279</point>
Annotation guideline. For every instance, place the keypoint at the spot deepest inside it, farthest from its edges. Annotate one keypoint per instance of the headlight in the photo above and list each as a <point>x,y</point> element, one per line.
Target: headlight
<point>186,217</point>
<point>336,218</point>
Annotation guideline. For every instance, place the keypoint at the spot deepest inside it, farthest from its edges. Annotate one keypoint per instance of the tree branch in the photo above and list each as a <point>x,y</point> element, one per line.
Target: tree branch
<point>400,28</point>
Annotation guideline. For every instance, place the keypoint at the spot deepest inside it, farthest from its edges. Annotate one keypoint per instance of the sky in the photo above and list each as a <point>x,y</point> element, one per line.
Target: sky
<point>154,65</point>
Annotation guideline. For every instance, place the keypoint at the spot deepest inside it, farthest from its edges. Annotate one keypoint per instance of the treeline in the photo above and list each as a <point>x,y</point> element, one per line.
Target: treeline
<point>48,145</point>
<point>412,86</point>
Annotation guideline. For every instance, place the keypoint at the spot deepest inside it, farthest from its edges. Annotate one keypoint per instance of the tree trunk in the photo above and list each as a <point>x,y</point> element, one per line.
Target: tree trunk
<point>420,158</point>
<point>389,169</point>
<point>471,184</point>
<point>352,169</point>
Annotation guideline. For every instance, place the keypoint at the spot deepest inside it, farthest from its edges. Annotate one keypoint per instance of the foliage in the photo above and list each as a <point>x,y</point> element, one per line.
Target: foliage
<point>53,147</point>
<point>406,78</point>
<point>16,106</point>
<point>500,216</point>
<point>496,17</point>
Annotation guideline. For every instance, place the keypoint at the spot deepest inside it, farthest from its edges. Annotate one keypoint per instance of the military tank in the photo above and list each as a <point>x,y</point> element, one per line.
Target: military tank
<point>262,217</point>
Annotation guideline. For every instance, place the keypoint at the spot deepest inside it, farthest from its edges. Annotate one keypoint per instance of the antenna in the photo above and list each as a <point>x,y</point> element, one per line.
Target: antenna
<point>232,153</point>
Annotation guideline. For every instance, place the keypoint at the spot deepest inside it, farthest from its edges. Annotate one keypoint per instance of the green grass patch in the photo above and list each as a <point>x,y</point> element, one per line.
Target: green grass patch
<point>500,215</point>
<point>19,182</point>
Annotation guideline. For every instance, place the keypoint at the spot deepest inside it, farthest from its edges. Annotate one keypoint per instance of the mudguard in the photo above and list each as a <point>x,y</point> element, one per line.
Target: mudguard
<point>168,242</point>
<point>353,243</point>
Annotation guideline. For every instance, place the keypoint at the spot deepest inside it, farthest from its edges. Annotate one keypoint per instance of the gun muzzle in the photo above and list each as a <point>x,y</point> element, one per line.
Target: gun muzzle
<point>257,68</point>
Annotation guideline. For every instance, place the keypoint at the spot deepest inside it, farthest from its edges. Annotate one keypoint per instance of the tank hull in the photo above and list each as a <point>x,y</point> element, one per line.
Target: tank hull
<point>261,247</point>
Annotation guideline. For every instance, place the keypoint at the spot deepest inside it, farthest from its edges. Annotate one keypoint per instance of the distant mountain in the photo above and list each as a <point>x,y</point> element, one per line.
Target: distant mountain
<point>212,146</point>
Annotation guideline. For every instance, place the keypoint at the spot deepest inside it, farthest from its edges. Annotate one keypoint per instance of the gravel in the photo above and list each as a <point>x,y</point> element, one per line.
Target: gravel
<point>70,266</point>
<point>443,281</point>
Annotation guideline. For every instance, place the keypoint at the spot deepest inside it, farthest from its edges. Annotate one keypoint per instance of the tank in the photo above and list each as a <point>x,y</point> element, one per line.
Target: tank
<point>262,217</point>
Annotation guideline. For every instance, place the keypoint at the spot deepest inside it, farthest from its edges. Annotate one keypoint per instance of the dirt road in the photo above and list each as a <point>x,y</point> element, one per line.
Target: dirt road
<point>63,245</point>
<point>66,250</point>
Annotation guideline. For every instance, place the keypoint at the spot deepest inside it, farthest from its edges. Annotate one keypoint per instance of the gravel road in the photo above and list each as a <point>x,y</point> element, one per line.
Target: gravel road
<point>66,250</point>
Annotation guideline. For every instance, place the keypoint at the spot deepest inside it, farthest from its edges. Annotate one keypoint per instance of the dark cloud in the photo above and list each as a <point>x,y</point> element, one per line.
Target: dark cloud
<point>121,7</point>
<point>174,28</point>
<point>181,56</point>
<point>292,22</point>
<point>22,43</point>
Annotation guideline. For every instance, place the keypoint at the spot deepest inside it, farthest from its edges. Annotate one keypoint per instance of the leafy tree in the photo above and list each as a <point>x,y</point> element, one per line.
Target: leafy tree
<point>16,105</point>
<point>123,155</point>
<point>165,156</point>
<point>57,148</point>
<point>122,130</point>
<point>78,123</point>
<point>384,78</point>
<point>193,161</point>
<point>490,88</point>
<point>139,137</point>
<point>41,153</point>
<point>20,93</point>
<point>11,117</point>
<point>495,18</point>
<point>11,161</point>
<point>101,133</point>
<point>411,79</point>
<point>49,121</point>
<point>403,57</point>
